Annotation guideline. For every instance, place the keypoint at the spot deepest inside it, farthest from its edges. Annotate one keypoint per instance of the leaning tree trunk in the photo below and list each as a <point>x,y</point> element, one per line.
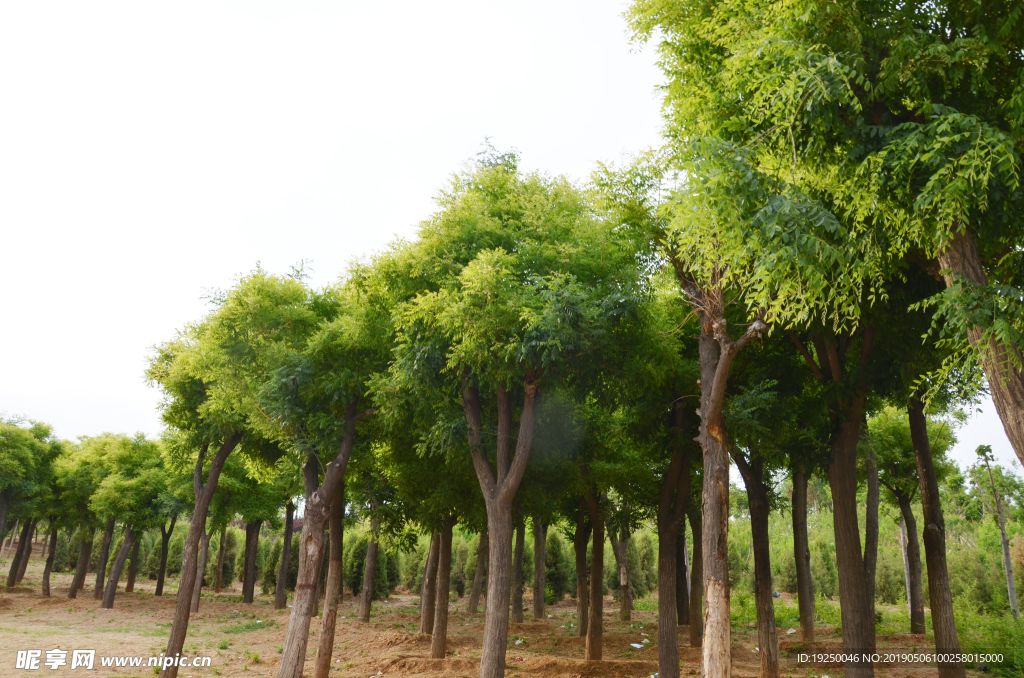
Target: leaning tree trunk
<point>280,588</point>
<point>20,553</point>
<point>115,571</point>
<point>439,637</point>
<point>595,627</point>
<point>913,552</point>
<point>540,531</point>
<point>697,578</point>
<point>252,542</point>
<point>757,502</point>
<point>23,564</point>
<point>165,540</point>
<point>517,576</point>
<point>620,546</point>
<point>335,579</point>
<point>682,578</point>
<point>84,554</point>
<point>190,554</point>
<point>940,597</point>
<point>580,541</point>
<point>1005,379</point>
<point>133,567</point>
<point>428,589</point>
<point>369,569</point>
<point>802,556</point>
<point>311,544</point>
<point>101,568</point>
<point>478,576</point>
<point>204,552</point>
<point>51,550</point>
<point>499,489</point>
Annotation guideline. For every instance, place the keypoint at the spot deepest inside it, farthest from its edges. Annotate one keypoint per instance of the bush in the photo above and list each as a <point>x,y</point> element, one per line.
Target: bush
<point>560,568</point>
<point>62,555</point>
<point>823,569</point>
<point>269,579</point>
<point>385,575</point>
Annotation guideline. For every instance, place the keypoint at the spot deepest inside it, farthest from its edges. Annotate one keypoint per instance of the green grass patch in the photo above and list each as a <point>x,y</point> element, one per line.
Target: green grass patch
<point>248,626</point>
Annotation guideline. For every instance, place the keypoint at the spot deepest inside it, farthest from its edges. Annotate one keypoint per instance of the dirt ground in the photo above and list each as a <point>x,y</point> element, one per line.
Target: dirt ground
<point>246,640</point>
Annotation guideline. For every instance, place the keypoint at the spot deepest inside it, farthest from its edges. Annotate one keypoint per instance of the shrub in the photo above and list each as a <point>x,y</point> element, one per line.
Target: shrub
<point>560,568</point>
<point>385,575</point>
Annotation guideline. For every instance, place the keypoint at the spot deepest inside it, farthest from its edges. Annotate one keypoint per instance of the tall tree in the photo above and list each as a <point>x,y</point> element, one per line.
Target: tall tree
<point>985,454</point>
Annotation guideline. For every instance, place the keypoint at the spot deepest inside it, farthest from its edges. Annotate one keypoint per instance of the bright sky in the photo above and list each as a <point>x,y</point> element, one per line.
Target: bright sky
<point>150,152</point>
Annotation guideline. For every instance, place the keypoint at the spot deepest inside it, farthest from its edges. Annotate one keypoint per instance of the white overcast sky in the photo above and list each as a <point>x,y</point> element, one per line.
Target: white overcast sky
<point>152,151</point>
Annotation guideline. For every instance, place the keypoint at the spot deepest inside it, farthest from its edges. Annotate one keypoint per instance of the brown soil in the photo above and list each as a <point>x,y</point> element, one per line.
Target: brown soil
<point>246,640</point>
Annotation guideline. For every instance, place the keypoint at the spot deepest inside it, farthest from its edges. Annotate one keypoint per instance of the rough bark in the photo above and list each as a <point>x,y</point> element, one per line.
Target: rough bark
<point>428,589</point>
<point>1011,591</point>
<point>871,533</point>
<point>682,578</point>
<point>540,534</point>
<point>697,578</point>
<point>204,552</point>
<point>757,502</point>
<point>190,555</point>
<point>499,487</point>
<point>84,554</point>
<point>913,555</point>
<point>311,544</point>
<point>1006,382</point>
<point>620,546</point>
<point>218,576</point>
<point>369,569</point>
<point>335,577</point>
<point>115,570</point>
<point>165,540</point>
<point>595,626</point>
<point>439,636</point>
<point>21,553</point>
<point>802,556</point>
<point>673,501</point>
<point>23,563</point>
<point>517,575</point>
<point>478,576</point>
<point>50,552</point>
<point>101,568</point>
<point>580,541</point>
<point>280,587</point>
<point>252,542</point>
<point>133,567</point>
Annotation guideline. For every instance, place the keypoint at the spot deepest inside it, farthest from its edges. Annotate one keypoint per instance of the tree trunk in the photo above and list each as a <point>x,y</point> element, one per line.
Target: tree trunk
<point>50,551</point>
<point>673,501</point>
<point>478,576</point>
<point>165,540</point>
<point>23,563</point>
<point>204,552</point>
<point>697,578</point>
<point>940,597</point>
<point>439,637</point>
<point>218,575</point>
<point>84,554</point>
<point>595,628</point>
<point>580,541</point>
<point>682,578</point>
<point>540,535</point>
<point>252,542</point>
<point>802,557</point>
<point>871,533</point>
<point>428,589</point>
<point>620,546</point>
<point>101,568</point>
<point>115,571</point>
<point>5,547</point>
<point>499,489</point>
<point>1011,591</point>
<point>757,502</point>
<point>335,579</point>
<point>1005,381</point>
<point>856,608</point>
<point>517,575</point>
<point>366,598</point>
<point>913,555</point>
<point>280,588</point>
<point>4,506</point>
<point>21,553</point>
<point>190,553</point>
<point>311,544</point>
<point>133,567</point>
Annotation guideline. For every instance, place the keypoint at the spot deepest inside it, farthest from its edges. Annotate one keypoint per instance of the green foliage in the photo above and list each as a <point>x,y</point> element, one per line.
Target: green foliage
<point>385,574</point>
<point>823,569</point>
<point>559,568</point>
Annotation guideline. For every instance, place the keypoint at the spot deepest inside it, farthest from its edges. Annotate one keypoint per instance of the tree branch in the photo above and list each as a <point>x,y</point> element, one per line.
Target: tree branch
<point>474,421</point>
<point>807,357</point>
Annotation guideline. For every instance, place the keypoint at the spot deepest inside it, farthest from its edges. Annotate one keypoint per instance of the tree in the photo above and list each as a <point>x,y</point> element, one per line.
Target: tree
<point>985,454</point>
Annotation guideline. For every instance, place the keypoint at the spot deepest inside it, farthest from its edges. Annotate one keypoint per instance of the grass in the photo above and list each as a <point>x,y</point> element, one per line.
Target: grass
<point>992,634</point>
<point>249,626</point>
